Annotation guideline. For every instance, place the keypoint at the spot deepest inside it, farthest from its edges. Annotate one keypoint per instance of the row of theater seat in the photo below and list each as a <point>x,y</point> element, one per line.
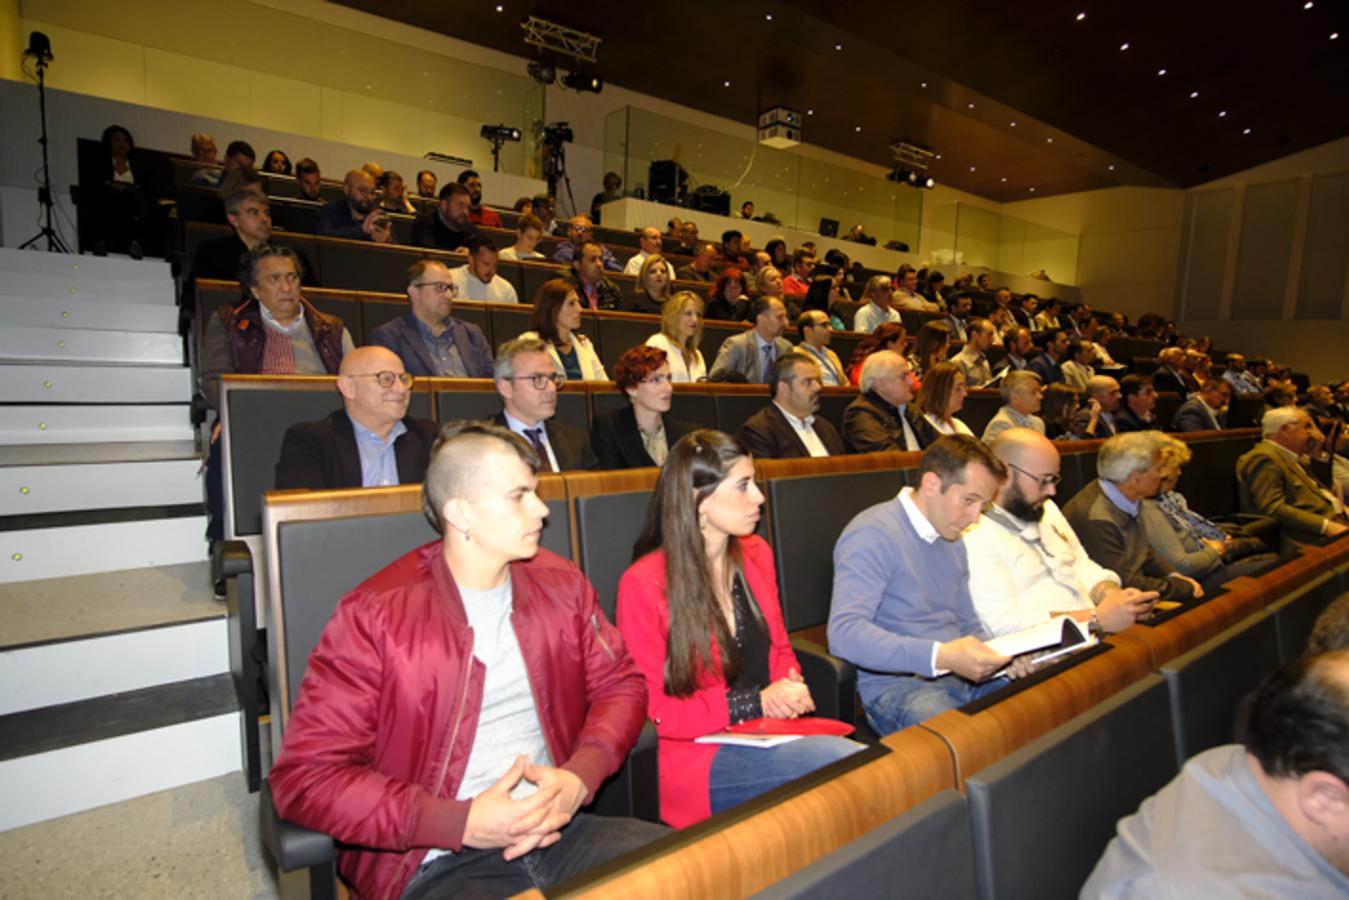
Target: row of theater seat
<point>1048,766</point>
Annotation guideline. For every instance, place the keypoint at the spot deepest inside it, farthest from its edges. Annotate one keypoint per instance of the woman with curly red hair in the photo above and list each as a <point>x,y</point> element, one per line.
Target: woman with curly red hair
<point>727,298</point>
<point>641,432</point>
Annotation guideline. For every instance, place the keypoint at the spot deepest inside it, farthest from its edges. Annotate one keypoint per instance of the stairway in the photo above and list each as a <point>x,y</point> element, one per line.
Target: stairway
<point>114,670</point>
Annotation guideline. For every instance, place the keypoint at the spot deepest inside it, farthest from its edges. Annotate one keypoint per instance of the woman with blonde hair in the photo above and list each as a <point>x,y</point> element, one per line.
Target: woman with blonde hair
<point>681,330</point>
<point>653,287</point>
<point>939,399</point>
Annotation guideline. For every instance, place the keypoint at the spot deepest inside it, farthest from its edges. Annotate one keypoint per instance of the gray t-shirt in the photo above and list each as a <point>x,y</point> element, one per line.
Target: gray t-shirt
<point>1212,832</point>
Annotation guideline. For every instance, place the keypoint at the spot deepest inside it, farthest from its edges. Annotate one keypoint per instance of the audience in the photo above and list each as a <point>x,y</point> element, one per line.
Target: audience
<point>649,240</point>
<point>393,194</point>
<point>478,280</point>
<point>768,283</point>
<point>528,233</point>
<point>613,190</point>
<point>931,346</point>
<point>1049,365</point>
<point>1079,368</point>
<point>1058,409</point>
<point>727,300</point>
<point>447,227</point>
<point>1244,384</point>
<point>122,198</point>
<point>430,341</point>
<point>815,330</point>
<point>1105,515</point>
<point>681,332</point>
<point>1206,410</point>
<point>880,418</point>
<point>962,304</point>
<point>1170,375</point>
<point>426,184</point>
<point>587,277</point>
<point>940,397</point>
<point>1272,480</point>
<point>203,150</point>
<point>1022,395</point>
<point>580,232</point>
<point>731,254</point>
<point>887,336</point>
<point>752,354</point>
<point>1097,418</point>
<point>251,220</point>
<point>556,319</point>
<point>309,180</point>
<point>478,214</point>
<point>700,267</point>
<point>238,155</point>
<point>371,441</point>
<point>527,381</point>
<point>1025,561</point>
<point>1192,544</point>
<point>641,433</point>
<point>1020,345</point>
<point>972,360</point>
<point>788,428</point>
<point>699,610</point>
<point>878,294</point>
<point>1139,397</point>
<point>797,284</point>
<point>356,216</point>
<point>1048,317</point>
<point>1267,819</point>
<point>901,609</point>
<point>652,288</point>
<point>906,292</point>
<point>276,163</point>
<point>534,731</point>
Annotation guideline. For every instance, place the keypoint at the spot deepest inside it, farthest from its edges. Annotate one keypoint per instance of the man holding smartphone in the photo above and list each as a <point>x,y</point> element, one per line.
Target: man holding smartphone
<point>357,215</point>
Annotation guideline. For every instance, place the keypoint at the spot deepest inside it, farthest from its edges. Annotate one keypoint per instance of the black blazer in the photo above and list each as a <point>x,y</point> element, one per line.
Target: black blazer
<point>619,445</point>
<point>570,445</point>
<point>429,231</point>
<point>1165,380</point>
<point>322,455</point>
<point>768,435</point>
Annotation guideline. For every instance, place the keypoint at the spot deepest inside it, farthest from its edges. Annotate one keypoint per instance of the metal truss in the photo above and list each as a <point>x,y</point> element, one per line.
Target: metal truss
<point>560,39</point>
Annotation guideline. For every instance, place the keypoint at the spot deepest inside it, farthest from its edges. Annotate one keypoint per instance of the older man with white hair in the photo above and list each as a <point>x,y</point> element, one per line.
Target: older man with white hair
<point>1021,395</point>
<point>880,418</point>
<point>1273,482</point>
<point>1105,515</point>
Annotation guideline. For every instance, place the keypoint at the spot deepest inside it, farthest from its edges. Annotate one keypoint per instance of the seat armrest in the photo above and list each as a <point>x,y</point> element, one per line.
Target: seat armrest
<point>832,681</point>
<point>232,558</point>
<point>290,846</point>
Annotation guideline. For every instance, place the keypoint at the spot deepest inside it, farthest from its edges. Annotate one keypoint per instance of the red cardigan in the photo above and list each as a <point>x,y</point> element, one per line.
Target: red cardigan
<point>644,620</point>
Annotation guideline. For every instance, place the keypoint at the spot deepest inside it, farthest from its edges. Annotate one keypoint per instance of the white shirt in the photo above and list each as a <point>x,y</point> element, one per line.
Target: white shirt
<point>829,373</point>
<point>634,266</point>
<point>510,254</point>
<point>468,287</point>
<point>956,426</point>
<point>869,317</point>
<point>929,535</point>
<point>1016,581</point>
<point>519,428</point>
<point>680,372</point>
<point>805,431</point>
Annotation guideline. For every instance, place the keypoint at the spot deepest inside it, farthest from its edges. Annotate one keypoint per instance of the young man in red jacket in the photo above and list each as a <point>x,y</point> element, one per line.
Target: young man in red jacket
<point>466,701</point>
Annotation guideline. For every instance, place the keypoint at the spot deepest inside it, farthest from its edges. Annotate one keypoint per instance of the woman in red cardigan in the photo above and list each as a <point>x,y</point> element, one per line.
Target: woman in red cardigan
<point>699,612</point>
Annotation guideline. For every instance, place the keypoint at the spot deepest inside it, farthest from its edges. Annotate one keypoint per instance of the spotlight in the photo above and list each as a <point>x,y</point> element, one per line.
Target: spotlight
<point>542,72</point>
<point>39,47</point>
<point>499,133</point>
<point>579,81</point>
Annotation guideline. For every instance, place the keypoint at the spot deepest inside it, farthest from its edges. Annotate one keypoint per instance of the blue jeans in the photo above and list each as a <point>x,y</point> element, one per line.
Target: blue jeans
<point>912,699</point>
<point>586,842</point>
<point>739,773</point>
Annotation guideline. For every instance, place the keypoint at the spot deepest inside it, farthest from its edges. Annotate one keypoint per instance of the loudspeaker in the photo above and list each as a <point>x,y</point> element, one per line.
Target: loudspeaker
<point>667,182</point>
<point>829,227</point>
<point>710,200</point>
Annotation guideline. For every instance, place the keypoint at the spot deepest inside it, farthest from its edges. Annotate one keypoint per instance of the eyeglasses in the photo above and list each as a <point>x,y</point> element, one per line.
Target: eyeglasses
<point>386,379</point>
<point>541,380</point>
<point>1043,481</point>
<point>440,287</point>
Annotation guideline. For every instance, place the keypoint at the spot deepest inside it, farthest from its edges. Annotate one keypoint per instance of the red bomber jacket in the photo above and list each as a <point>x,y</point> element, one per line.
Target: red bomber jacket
<point>387,712</point>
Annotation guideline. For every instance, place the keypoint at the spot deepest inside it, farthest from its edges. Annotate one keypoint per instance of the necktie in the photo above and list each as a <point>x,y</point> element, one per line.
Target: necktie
<point>535,436</point>
<point>769,353</point>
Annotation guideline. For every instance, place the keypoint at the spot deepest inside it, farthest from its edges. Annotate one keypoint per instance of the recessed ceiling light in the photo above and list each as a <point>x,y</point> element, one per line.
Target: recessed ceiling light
<point>971,168</point>
<point>810,112</point>
<point>858,128</point>
<point>922,84</point>
<point>768,17</point>
<point>500,8</point>
<point>1308,5</point>
<point>1081,16</point>
<point>1032,190</point>
<point>971,106</point>
<point>1161,71</point>
<point>838,46</point>
<point>938,156</point>
<point>1223,114</point>
<point>1124,46</point>
<point>1013,124</point>
<point>1245,131</point>
<point>1004,180</point>
<point>1049,140</point>
<point>1111,167</point>
<point>1334,35</point>
<point>725,84</point>
<point>1194,95</point>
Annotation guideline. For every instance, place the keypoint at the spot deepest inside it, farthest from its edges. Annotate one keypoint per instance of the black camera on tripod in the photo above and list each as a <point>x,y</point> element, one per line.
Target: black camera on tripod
<point>557,134</point>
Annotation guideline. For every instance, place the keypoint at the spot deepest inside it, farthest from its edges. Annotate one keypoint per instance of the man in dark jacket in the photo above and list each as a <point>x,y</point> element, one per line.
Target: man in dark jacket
<point>250,215</point>
<point>371,441</point>
<point>788,428</point>
<point>357,215</point>
<point>447,227</point>
<point>880,418</point>
<point>430,341</point>
<point>466,700</point>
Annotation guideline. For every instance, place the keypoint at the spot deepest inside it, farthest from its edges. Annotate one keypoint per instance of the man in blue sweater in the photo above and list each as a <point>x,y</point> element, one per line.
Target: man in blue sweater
<point>901,609</point>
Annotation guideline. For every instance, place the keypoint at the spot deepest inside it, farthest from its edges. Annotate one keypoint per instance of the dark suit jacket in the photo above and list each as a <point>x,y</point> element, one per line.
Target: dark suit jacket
<point>870,425</point>
<point>618,444</point>
<point>768,435</point>
<point>607,294</point>
<point>335,220</point>
<point>429,231</point>
<point>1118,541</point>
<point>402,337</point>
<point>1050,372</point>
<point>688,273</point>
<point>323,455</point>
<point>1165,380</point>
<point>570,445</point>
<point>1103,428</point>
<point>1191,416</point>
<point>1125,420</point>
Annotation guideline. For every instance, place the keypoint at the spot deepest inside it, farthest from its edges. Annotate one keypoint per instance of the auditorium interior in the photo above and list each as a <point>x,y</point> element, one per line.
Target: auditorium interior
<point>1180,172</point>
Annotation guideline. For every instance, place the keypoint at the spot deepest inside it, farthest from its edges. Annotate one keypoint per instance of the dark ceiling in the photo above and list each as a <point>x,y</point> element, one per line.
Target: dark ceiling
<point>955,76</point>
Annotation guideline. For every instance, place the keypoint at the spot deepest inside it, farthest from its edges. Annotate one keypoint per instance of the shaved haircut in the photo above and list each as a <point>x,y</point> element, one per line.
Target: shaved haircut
<point>459,454</point>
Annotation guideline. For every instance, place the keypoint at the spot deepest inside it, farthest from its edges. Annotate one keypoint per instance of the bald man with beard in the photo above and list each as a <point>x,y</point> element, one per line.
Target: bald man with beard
<point>356,216</point>
<point>371,441</point>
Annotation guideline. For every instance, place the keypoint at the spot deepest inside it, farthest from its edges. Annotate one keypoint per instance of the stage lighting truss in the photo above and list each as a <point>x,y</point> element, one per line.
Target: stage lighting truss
<point>556,38</point>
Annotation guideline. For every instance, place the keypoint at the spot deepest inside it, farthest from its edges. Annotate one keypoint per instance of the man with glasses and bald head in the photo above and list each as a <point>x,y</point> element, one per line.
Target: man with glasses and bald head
<point>371,441</point>
<point>430,341</point>
<point>528,386</point>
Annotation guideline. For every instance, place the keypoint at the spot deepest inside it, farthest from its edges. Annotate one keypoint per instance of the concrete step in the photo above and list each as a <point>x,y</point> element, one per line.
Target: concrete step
<point>63,550</point>
<point>23,343</point>
<point>106,452</point>
<point>48,383</point>
<point>107,269</point>
<point>64,759</point>
<point>79,312</point>
<point>27,490</point>
<point>198,840</point>
<point>83,287</point>
<point>76,424</point>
